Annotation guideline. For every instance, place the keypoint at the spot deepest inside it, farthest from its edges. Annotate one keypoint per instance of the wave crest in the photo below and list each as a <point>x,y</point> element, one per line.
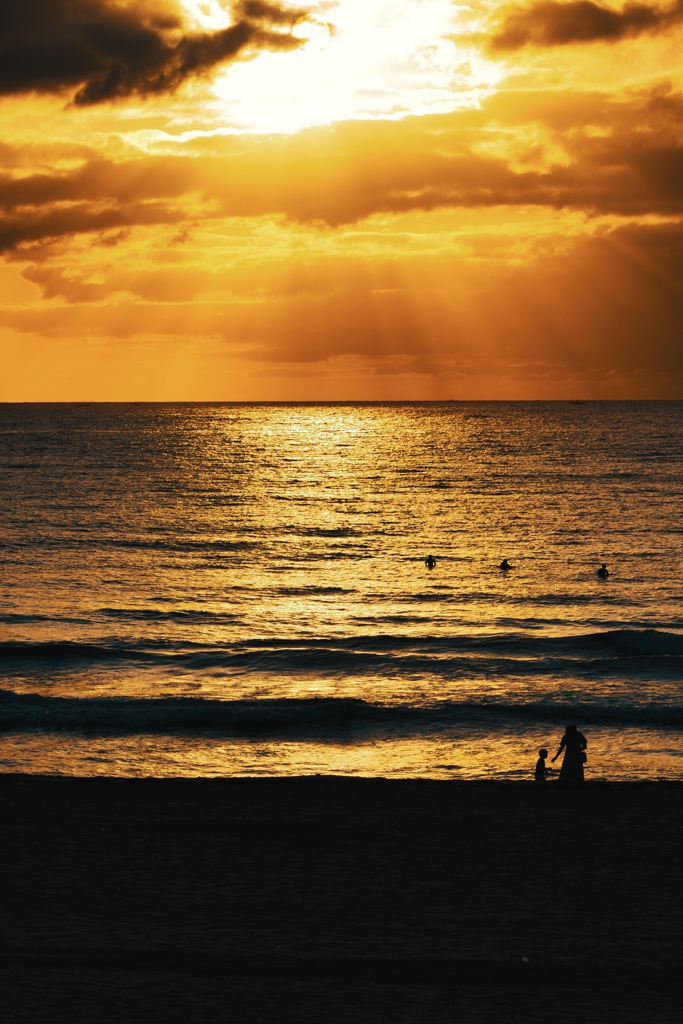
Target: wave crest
<point>313,717</point>
<point>613,652</point>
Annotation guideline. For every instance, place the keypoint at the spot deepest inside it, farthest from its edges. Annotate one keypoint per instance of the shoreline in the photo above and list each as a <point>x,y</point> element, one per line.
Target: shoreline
<point>331,779</point>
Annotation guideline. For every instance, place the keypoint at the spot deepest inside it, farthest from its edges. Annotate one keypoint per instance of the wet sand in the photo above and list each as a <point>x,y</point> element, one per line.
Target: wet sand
<point>310,900</point>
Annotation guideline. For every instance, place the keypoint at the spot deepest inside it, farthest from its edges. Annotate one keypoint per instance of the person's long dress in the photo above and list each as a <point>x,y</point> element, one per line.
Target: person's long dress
<point>572,765</point>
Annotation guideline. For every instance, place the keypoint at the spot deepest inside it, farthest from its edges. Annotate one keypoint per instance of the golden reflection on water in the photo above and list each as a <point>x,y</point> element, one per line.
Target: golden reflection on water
<point>287,543</point>
<point>316,520</point>
<point>630,754</point>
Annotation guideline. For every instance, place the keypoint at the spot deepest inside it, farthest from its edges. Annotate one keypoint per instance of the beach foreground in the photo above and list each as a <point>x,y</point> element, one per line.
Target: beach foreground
<point>311,899</point>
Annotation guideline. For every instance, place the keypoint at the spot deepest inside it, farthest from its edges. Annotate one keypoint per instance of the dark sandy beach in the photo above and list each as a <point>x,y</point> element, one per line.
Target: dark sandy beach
<point>322,899</point>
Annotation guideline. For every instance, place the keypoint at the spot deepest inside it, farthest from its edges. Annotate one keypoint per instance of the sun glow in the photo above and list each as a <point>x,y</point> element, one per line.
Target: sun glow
<point>370,60</point>
<point>206,15</point>
<point>361,199</point>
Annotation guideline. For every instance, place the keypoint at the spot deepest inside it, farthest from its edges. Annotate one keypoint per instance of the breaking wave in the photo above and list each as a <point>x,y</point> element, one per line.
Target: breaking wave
<point>638,652</point>
<point>322,717</point>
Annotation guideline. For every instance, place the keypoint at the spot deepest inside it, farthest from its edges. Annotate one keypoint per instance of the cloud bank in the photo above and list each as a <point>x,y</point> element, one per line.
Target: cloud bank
<point>618,158</point>
<point>110,50</point>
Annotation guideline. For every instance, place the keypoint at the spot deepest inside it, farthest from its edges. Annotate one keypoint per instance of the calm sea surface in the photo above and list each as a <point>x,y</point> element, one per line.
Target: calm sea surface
<point>241,589</point>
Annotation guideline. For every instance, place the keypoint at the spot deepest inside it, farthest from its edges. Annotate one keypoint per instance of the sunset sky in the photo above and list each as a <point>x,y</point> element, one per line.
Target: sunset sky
<point>361,199</point>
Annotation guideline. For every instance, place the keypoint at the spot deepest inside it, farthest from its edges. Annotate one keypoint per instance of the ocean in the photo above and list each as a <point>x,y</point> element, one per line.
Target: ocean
<point>241,589</point>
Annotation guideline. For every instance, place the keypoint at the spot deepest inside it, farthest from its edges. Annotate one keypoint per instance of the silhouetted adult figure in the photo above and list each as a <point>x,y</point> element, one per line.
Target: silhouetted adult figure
<point>603,571</point>
<point>430,561</point>
<point>505,564</point>
<point>573,743</point>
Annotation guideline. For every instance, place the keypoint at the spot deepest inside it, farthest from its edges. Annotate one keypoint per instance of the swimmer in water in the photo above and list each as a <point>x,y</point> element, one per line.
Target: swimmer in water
<point>430,561</point>
<point>505,564</point>
<point>603,572</point>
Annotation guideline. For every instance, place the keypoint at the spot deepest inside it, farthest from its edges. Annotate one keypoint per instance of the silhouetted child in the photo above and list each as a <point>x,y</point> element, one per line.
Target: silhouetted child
<point>541,770</point>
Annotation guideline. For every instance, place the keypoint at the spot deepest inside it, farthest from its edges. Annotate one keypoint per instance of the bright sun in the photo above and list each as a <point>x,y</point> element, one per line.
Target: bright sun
<point>359,59</point>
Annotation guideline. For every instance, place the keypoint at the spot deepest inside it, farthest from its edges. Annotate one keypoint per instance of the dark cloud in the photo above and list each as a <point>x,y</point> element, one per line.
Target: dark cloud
<point>108,50</point>
<point>549,23</point>
<point>99,195</point>
<point>98,180</point>
<point>80,218</point>
<point>275,14</point>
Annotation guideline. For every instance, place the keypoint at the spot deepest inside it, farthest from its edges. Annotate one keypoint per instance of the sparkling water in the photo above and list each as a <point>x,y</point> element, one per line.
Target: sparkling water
<point>242,589</point>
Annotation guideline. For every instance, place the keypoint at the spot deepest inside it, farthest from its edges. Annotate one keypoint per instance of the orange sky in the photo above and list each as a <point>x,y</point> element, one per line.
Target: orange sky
<point>365,199</point>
